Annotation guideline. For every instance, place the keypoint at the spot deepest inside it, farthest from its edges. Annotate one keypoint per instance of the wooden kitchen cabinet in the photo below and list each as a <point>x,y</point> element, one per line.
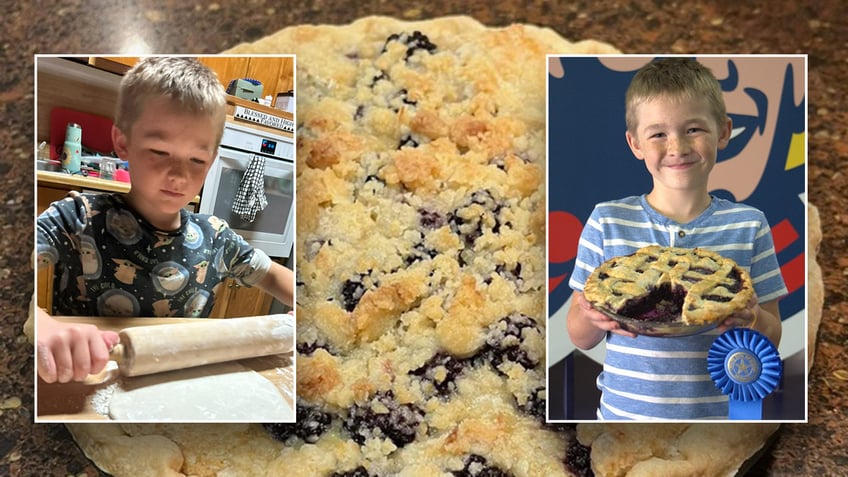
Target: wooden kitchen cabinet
<point>275,73</point>
<point>227,68</point>
<point>234,301</point>
<point>114,64</point>
<point>83,84</point>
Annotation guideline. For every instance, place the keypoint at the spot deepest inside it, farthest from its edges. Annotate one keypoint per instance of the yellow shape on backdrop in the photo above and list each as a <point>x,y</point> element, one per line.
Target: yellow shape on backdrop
<point>795,157</point>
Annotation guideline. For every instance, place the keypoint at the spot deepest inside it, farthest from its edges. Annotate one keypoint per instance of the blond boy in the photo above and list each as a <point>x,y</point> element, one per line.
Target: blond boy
<point>676,123</point>
<point>147,249</point>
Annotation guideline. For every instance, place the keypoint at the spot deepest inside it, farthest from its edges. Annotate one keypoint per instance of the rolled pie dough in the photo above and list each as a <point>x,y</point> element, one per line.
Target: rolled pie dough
<point>220,392</point>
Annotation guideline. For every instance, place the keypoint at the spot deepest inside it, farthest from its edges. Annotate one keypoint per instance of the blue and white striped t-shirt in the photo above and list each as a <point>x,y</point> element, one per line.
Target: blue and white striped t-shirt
<point>666,378</point>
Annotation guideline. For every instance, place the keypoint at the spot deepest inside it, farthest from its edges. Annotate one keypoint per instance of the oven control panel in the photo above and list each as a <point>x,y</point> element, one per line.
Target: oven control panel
<point>245,138</point>
<point>268,147</point>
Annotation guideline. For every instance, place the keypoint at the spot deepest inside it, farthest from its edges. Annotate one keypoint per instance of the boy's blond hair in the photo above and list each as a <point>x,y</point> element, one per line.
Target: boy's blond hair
<point>187,82</point>
<point>676,78</point>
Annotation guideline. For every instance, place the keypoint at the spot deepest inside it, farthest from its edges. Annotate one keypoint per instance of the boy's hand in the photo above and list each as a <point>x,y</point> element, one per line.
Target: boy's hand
<point>70,352</point>
<point>600,320</point>
<point>742,318</point>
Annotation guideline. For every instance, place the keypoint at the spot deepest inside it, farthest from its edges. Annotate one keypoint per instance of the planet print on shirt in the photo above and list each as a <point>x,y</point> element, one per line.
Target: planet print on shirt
<point>90,258</point>
<point>47,256</point>
<point>123,226</point>
<point>117,303</point>
<point>193,236</point>
<point>195,305</point>
<point>169,278</point>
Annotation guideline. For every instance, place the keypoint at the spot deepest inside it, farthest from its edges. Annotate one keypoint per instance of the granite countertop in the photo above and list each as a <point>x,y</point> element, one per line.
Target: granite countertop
<point>815,27</point>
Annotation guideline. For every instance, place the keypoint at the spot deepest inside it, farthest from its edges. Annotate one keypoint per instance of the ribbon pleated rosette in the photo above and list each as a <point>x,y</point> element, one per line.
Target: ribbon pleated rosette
<point>746,366</point>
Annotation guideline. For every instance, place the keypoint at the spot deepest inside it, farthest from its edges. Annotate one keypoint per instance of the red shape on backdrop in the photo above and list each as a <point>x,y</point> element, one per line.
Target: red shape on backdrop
<point>784,234</point>
<point>563,234</point>
<point>554,282</point>
<point>793,272</point>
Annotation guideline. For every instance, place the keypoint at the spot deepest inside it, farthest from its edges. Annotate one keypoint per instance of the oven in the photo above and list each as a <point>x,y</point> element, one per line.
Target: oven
<point>272,229</point>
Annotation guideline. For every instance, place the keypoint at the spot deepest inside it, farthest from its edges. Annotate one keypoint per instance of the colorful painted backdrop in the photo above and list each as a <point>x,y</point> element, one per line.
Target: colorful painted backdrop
<point>764,165</point>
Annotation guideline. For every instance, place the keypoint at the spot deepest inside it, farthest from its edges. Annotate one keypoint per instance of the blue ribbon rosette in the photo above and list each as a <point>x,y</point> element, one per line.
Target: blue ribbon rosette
<point>746,366</point>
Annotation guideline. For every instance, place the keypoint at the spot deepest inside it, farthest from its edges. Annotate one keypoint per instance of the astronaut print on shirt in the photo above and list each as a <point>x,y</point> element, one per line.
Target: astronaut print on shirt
<point>109,261</point>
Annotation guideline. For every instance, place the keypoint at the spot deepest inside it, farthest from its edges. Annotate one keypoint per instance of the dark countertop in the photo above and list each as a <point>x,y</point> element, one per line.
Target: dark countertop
<point>814,27</point>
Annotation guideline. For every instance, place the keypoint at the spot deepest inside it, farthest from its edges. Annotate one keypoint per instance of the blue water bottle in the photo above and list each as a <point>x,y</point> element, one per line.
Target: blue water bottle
<point>73,148</point>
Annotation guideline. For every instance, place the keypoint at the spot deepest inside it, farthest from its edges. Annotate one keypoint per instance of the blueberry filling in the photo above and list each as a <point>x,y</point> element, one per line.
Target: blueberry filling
<point>311,424</point>
<point>405,97</point>
<point>383,417</point>
<point>469,235</point>
<point>441,371</point>
<point>407,141</point>
<point>535,405</point>
<point>374,178</point>
<point>352,291</point>
<point>472,228</point>
<point>475,465</point>
<point>430,220</point>
<point>307,348</point>
<point>514,354</point>
<point>736,277</point>
<point>512,275</point>
<point>662,304</point>
<point>505,341</point>
<point>420,252</point>
<point>718,298</point>
<point>360,471</point>
<point>498,161</point>
<point>381,76</point>
<point>416,41</point>
<point>578,460</point>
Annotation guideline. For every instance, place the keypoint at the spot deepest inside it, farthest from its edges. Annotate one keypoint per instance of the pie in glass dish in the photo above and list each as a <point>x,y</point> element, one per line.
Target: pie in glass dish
<point>695,287</point>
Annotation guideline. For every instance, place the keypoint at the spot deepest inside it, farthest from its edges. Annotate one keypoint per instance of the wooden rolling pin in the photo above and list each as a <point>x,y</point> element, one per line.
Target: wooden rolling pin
<point>156,348</point>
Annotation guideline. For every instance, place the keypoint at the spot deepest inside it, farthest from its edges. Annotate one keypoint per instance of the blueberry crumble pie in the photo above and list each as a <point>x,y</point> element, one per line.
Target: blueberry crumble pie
<point>420,260</point>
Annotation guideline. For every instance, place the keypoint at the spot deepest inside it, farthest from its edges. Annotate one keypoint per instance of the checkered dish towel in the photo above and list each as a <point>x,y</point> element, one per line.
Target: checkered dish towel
<point>250,197</point>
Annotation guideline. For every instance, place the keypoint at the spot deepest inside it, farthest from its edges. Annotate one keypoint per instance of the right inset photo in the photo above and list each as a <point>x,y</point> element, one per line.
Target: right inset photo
<point>677,231</point>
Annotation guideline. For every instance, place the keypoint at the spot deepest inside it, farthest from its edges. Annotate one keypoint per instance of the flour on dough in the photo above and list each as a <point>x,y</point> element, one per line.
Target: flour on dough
<point>226,392</point>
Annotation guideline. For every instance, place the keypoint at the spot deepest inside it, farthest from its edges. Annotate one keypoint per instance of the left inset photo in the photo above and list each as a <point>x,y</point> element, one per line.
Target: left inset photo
<point>164,227</point>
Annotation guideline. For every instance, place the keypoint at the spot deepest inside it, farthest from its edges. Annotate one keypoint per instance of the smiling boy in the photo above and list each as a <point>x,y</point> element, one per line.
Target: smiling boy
<point>676,123</point>
<point>145,254</point>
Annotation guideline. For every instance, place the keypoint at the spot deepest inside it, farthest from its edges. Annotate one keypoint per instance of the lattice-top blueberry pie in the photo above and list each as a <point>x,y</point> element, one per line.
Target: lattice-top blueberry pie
<point>663,284</point>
